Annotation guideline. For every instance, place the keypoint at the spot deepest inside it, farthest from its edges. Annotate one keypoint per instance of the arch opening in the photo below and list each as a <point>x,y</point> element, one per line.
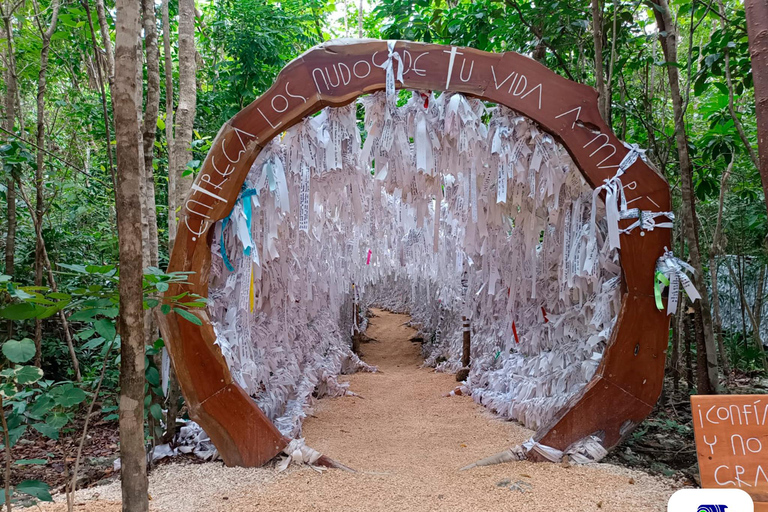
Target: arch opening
<point>512,244</point>
<point>612,392</point>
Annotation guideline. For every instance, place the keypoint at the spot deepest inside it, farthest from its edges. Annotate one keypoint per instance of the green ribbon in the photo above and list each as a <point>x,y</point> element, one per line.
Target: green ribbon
<point>660,282</point>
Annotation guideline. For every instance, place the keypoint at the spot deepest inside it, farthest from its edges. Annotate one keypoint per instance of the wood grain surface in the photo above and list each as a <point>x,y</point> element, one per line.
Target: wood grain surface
<point>732,442</point>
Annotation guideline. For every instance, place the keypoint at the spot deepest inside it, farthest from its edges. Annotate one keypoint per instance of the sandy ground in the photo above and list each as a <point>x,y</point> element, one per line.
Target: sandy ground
<point>406,441</point>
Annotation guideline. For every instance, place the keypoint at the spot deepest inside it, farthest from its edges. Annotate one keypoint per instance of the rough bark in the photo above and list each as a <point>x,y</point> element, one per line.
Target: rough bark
<point>757,30</point>
<point>42,76</point>
<point>185,111</point>
<point>668,42</point>
<point>168,65</point>
<point>597,38</point>
<point>126,100</point>
<point>151,110</point>
<point>107,42</point>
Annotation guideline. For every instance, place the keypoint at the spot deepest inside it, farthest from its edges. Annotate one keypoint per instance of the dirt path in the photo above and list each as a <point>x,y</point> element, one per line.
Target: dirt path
<point>407,442</point>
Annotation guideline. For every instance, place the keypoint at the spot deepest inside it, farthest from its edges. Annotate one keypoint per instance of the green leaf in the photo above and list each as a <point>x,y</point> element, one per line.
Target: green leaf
<point>30,462</point>
<point>153,376</point>
<point>162,286</point>
<point>94,343</point>
<point>188,316</point>
<point>19,351</point>
<point>43,406</point>
<point>36,489</point>
<point>28,374</point>
<point>57,420</point>
<point>70,396</point>
<point>20,311</point>
<point>165,309</point>
<point>156,411</point>
<point>106,328</point>
<point>47,430</point>
<point>85,334</point>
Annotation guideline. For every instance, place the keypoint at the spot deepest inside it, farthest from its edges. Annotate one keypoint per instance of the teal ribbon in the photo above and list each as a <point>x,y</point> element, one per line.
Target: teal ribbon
<point>245,196</point>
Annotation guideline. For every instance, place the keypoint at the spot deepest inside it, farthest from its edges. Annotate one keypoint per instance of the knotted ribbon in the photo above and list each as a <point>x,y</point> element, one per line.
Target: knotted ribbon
<point>670,272</point>
<point>615,200</point>
<point>389,67</point>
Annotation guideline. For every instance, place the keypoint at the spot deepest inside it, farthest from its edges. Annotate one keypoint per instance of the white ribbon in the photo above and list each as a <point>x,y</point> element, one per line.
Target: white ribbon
<point>646,220</point>
<point>389,68</point>
<point>674,269</point>
<point>615,200</point>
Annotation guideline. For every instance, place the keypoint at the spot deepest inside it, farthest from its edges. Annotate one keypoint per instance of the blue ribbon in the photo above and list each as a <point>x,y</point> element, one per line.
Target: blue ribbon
<point>245,196</point>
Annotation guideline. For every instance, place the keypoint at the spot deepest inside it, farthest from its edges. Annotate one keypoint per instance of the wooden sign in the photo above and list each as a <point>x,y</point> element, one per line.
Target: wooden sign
<point>732,443</point>
<point>629,379</point>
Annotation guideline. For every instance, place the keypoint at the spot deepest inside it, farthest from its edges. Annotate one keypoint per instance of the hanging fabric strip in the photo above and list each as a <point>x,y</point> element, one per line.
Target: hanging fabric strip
<point>668,270</point>
<point>389,68</point>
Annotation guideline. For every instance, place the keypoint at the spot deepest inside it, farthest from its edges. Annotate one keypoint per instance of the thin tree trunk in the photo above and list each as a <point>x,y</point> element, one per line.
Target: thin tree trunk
<point>39,212</point>
<point>168,65</point>
<point>151,111</point>
<point>107,42</point>
<point>11,90</point>
<point>102,91</point>
<point>757,30</point>
<point>611,64</point>
<point>360,20</point>
<point>669,47</point>
<point>597,37</point>
<point>126,99</point>
<point>173,386</point>
<point>185,112</point>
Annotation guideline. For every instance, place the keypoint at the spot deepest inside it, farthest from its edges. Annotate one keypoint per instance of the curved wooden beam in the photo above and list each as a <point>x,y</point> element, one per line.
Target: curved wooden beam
<point>629,379</point>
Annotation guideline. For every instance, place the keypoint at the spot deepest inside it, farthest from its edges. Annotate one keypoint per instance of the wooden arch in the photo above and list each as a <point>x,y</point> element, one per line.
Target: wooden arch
<point>629,379</point>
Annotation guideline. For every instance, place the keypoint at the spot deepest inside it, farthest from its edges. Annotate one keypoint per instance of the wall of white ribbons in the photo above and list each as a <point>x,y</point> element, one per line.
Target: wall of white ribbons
<point>510,243</point>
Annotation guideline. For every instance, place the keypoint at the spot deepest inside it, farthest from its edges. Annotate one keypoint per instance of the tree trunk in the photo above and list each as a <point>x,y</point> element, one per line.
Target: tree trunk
<point>45,36</point>
<point>102,92</point>
<point>107,42</point>
<point>174,393</point>
<point>757,30</point>
<point>151,110</point>
<point>669,47</point>
<point>597,37</point>
<point>126,102</point>
<point>185,112</point>
<point>11,90</point>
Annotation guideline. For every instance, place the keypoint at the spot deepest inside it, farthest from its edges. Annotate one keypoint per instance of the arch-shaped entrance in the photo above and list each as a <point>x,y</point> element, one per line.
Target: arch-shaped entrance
<point>628,381</point>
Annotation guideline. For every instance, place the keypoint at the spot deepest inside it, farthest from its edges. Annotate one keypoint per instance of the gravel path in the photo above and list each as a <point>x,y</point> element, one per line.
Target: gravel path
<point>407,442</point>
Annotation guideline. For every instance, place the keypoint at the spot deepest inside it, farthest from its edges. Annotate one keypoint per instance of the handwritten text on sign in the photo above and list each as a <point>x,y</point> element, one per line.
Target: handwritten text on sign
<point>732,442</point>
